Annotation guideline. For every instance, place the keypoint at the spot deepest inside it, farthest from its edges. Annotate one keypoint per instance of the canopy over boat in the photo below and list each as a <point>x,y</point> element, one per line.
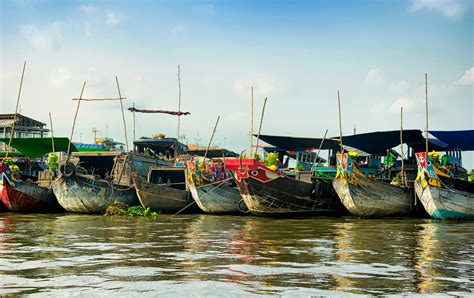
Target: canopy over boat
<point>213,152</point>
<point>456,139</point>
<point>38,147</point>
<point>297,143</point>
<point>371,143</point>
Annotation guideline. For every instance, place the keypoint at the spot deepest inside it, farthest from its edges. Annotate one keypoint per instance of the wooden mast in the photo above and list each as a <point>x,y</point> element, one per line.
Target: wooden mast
<point>179,110</point>
<point>401,146</point>
<point>260,127</point>
<point>74,121</point>
<point>251,123</point>
<point>12,131</point>
<point>340,121</point>
<point>52,132</point>
<point>426,108</point>
<point>123,114</point>
<point>212,136</point>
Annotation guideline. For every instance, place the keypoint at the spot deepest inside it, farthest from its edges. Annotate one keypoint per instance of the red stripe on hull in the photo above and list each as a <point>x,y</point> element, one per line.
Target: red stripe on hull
<point>18,201</point>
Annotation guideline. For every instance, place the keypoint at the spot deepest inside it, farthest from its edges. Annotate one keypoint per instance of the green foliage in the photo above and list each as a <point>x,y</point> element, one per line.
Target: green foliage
<point>53,162</point>
<point>271,159</point>
<point>299,167</point>
<point>8,161</point>
<point>471,176</point>
<point>135,211</point>
<point>121,209</point>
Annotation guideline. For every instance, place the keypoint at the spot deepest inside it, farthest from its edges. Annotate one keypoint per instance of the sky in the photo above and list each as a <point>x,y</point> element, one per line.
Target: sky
<point>298,54</point>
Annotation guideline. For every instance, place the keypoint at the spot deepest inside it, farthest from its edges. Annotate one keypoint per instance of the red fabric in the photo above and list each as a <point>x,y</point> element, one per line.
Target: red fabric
<point>174,113</point>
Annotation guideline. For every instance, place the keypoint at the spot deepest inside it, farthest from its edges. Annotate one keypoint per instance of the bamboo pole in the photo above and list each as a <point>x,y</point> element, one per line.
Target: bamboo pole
<point>12,131</point>
<point>426,108</point>
<point>340,121</point>
<point>52,132</point>
<point>260,126</point>
<point>319,149</point>
<point>123,114</point>
<point>100,99</point>
<point>179,99</point>
<point>74,122</point>
<point>179,110</point>
<point>134,125</point>
<point>401,146</point>
<point>251,123</point>
<point>212,136</point>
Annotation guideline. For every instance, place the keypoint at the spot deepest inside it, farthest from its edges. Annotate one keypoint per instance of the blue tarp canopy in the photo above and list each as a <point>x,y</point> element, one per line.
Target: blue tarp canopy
<point>456,139</point>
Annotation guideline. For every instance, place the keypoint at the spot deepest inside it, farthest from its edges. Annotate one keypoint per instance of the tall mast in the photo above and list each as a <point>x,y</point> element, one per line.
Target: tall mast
<point>179,99</point>
<point>123,114</point>
<point>401,145</point>
<point>52,132</point>
<point>12,131</point>
<point>426,108</point>
<point>251,124</point>
<point>340,121</point>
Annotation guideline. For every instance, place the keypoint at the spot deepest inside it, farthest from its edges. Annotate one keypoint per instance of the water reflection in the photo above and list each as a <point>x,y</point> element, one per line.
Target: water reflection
<point>56,254</point>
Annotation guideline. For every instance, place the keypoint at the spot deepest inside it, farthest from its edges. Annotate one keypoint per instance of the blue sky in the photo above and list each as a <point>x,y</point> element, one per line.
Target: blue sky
<point>297,54</point>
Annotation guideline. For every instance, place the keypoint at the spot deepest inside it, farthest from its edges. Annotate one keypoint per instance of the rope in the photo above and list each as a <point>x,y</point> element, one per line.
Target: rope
<point>183,208</point>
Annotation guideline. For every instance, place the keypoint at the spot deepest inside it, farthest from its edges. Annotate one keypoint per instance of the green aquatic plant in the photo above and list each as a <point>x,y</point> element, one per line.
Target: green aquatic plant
<point>135,211</point>
<point>122,209</point>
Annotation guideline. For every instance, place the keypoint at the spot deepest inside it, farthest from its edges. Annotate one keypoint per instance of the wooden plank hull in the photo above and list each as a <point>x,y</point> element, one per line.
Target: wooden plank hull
<point>161,198</point>
<point>218,199</point>
<point>370,198</point>
<point>86,195</point>
<point>29,197</point>
<point>284,196</point>
<point>441,203</point>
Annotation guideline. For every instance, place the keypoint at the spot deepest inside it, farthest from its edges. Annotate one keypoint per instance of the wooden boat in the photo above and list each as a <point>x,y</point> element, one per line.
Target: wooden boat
<point>78,191</point>
<point>271,193</point>
<point>22,196</point>
<point>162,193</point>
<point>442,196</point>
<point>87,194</point>
<point>213,192</point>
<point>368,197</point>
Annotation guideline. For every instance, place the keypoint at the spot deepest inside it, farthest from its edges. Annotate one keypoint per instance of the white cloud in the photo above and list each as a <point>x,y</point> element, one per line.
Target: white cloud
<point>453,9</point>
<point>400,87</point>
<point>408,104</point>
<point>467,79</point>
<point>89,9</point>
<point>378,108</point>
<point>204,9</point>
<point>113,18</point>
<point>375,76</point>
<point>42,39</point>
<point>60,76</point>
<point>262,84</point>
<point>177,30</point>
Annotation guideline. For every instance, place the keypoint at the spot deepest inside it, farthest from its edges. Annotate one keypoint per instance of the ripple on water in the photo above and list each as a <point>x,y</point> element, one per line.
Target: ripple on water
<point>209,255</point>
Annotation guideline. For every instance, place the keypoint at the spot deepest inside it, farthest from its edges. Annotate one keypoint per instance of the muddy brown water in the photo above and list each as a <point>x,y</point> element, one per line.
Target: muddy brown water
<point>204,255</point>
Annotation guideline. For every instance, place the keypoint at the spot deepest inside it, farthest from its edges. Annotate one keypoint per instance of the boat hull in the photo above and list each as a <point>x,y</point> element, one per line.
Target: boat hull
<point>218,199</point>
<point>370,198</point>
<point>266,193</point>
<point>29,197</point>
<point>441,203</point>
<point>162,198</point>
<point>86,195</point>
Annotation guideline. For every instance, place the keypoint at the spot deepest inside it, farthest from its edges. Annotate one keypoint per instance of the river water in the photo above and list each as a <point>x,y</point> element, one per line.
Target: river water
<point>205,255</point>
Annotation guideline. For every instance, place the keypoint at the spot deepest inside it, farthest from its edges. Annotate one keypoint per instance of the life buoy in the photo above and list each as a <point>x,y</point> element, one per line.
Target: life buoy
<point>67,169</point>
